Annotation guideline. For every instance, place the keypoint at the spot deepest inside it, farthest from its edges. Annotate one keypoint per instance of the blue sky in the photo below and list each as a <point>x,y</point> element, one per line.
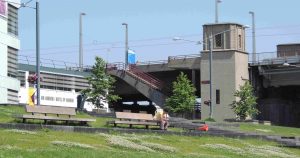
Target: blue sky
<point>152,25</point>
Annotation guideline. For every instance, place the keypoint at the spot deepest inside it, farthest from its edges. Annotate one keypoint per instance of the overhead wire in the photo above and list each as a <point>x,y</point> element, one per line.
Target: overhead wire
<point>151,39</point>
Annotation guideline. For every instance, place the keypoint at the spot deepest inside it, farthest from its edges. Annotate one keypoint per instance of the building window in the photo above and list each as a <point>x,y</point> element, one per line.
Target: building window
<point>217,96</point>
<point>70,100</point>
<point>59,99</point>
<point>240,41</point>
<point>12,62</point>
<point>49,98</point>
<point>12,20</point>
<point>218,40</point>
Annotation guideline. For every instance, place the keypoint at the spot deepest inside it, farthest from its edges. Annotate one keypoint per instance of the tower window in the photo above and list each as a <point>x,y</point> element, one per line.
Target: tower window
<point>217,96</point>
<point>218,40</point>
<point>240,41</point>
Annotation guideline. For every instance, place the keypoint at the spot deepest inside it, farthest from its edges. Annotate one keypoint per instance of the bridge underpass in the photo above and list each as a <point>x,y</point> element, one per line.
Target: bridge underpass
<point>277,86</point>
<point>132,87</point>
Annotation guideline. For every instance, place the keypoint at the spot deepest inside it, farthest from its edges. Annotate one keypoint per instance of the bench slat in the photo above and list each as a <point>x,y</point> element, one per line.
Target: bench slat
<point>134,116</point>
<point>135,123</point>
<point>40,117</point>
<point>51,110</point>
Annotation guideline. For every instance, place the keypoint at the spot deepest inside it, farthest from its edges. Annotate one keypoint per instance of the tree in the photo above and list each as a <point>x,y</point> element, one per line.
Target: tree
<point>246,105</point>
<point>101,85</point>
<point>183,98</point>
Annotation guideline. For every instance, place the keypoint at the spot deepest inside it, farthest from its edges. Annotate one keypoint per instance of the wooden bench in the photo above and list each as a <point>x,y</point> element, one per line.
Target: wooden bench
<point>134,119</point>
<point>53,113</point>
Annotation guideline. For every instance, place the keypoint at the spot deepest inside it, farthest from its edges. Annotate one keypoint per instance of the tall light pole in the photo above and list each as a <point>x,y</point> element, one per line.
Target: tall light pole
<point>253,37</point>
<point>126,44</point>
<point>80,42</point>
<point>217,10</point>
<point>210,75</point>
<point>37,9</point>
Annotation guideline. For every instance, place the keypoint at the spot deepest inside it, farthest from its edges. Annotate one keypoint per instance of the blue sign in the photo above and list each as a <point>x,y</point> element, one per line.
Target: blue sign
<point>131,57</point>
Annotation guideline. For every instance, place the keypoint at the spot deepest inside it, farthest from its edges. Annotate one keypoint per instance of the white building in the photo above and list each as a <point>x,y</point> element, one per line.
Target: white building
<point>9,46</point>
<point>59,87</point>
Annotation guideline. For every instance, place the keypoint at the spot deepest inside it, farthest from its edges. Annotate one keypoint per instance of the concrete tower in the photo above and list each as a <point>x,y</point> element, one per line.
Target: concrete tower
<point>229,68</point>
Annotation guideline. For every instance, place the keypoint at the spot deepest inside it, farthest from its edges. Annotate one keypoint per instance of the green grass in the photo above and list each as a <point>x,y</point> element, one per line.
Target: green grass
<point>17,143</point>
<point>6,113</point>
<point>48,143</point>
<point>270,130</point>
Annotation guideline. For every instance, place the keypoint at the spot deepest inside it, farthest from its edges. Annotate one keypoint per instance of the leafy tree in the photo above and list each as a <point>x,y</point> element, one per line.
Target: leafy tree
<point>246,105</point>
<point>183,98</point>
<point>101,85</point>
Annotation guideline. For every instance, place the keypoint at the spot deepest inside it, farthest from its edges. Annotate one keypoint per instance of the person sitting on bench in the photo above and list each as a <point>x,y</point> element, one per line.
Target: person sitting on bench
<point>164,120</point>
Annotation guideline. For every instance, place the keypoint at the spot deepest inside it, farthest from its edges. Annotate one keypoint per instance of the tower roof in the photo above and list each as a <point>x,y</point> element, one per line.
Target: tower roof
<point>224,23</point>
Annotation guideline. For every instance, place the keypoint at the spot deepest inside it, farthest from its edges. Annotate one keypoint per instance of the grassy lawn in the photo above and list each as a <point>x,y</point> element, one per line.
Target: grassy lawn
<point>6,113</point>
<point>47,143</point>
<point>270,130</point>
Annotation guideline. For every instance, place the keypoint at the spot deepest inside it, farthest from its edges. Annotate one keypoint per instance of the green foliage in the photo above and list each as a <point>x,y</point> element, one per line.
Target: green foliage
<point>183,98</point>
<point>210,120</point>
<point>246,105</point>
<point>101,85</point>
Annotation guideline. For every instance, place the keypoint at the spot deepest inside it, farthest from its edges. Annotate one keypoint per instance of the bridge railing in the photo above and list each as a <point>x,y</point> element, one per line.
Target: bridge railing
<point>154,82</point>
<point>138,74</point>
<point>152,62</point>
<point>189,56</point>
<point>277,57</point>
<point>50,63</point>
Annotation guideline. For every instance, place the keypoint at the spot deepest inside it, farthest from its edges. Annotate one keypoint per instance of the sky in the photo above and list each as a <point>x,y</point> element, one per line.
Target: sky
<point>152,24</point>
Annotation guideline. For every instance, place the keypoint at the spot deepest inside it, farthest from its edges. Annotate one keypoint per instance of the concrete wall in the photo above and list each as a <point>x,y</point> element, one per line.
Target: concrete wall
<point>224,79</point>
<point>240,68</point>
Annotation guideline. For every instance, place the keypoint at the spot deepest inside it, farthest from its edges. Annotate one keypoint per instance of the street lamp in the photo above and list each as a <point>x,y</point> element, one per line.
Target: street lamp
<point>126,44</point>
<point>253,37</point>
<point>181,39</point>
<point>37,24</point>
<point>38,84</point>
<point>80,42</point>
<point>217,10</point>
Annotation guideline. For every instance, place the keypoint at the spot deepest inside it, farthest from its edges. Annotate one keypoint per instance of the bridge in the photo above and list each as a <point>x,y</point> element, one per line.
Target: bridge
<point>275,77</point>
<point>152,80</point>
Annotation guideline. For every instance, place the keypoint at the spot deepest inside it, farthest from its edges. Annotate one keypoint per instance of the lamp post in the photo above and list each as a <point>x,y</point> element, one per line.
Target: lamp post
<point>37,9</point>
<point>217,10</point>
<point>80,42</point>
<point>126,44</point>
<point>210,76</point>
<point>37,25</point>
<point>253,37</point>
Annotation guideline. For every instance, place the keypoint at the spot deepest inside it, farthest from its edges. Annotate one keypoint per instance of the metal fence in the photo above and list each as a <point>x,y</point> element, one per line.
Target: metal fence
<point>277,57</point>
<point>29,60</point>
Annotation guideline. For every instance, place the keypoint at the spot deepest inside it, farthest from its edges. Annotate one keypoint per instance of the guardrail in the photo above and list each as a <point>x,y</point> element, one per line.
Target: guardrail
<point>59,64</point>
<point>152,62</point>
<point>138,74</point>
<point>189,56</point>
<point>153,81</point>
<point>267,58</point>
